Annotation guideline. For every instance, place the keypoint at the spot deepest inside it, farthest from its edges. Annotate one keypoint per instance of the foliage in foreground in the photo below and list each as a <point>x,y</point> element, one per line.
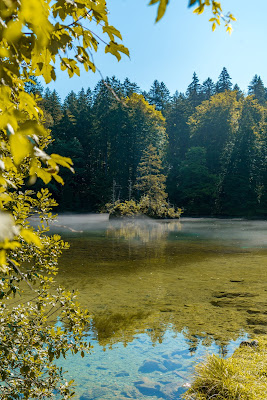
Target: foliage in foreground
<point>151,184</point>
<point>240,377</point>
<point>34,36</point>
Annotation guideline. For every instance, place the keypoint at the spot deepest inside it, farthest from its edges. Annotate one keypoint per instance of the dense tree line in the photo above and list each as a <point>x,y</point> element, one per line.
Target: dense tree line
<point>212,140</point>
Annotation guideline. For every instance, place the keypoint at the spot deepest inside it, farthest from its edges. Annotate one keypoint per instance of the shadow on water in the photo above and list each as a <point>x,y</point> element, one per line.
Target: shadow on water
<point>161,295</point>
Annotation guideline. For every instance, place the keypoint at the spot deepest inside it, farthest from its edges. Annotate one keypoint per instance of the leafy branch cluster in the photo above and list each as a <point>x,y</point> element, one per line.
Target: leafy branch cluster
<point>201,5</point>
<point>34,35</point>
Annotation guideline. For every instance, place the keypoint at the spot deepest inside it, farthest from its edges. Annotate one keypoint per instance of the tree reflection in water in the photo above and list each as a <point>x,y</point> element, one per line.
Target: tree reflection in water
<point>145,276</point>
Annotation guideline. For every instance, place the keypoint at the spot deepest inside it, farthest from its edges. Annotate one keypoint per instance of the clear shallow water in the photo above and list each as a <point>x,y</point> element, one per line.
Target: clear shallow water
<point>162,295</point>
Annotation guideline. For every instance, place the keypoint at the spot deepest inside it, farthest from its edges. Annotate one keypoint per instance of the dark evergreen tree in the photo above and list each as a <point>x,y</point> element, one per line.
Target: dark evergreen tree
<point>159,95</point>
<point>32,85</point>
<point>213,125</point>
<point>52,105</point>
<point>193,92</point>
<point>238,91</point>
<point>84,118</point>
<point>241,178</point>
<point>224,82</point>
<point>178,133</point>
<point>129,88</point>
<point>208,89</point>
<point>71,104</point>
<point>104,139</point>
<point>256,88</point>
<point>196,186</point>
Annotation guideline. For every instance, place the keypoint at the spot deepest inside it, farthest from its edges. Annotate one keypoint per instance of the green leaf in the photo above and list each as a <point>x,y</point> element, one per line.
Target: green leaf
<point>13,31</point>
<point>58,179</point>
<point>20,147</point>
<point>44,175</point>
<point>31,237</point>
<point>161,9</point>
<point>111,31</point>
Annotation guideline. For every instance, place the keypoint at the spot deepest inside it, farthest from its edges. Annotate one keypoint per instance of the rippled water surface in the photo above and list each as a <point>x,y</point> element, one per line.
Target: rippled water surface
<point>162,295</point>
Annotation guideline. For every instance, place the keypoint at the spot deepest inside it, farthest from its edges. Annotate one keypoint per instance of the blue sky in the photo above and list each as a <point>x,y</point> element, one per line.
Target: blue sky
<point>181,43</point>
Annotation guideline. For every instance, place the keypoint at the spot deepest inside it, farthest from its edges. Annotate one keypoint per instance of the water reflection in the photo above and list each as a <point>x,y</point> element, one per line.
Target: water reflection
<point>205,277</point>
<point>161,295</point>
<point>144,231</point>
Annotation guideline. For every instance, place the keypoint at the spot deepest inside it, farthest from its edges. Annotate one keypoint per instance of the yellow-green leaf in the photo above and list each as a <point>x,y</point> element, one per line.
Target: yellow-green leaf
<point>20,147</point>
<point>58,178</point>
<point>13,31</point>
<point>31,237</point>
<point>3,266</point>
<point>44,175</point>
<point>161,9</point>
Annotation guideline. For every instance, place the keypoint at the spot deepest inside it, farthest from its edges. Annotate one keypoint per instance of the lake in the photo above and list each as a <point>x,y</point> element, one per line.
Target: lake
<point>162,295</point>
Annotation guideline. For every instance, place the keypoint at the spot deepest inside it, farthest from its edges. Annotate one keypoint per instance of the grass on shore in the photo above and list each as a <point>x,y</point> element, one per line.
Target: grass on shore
<point>240,377</point>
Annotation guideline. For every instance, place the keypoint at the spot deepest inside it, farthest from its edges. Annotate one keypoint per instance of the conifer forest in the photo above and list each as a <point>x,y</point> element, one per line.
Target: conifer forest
<point>211,141</point>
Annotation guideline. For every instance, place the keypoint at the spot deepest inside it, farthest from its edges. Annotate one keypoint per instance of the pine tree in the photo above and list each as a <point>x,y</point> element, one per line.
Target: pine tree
<point>52,105</point>
<point>238,91</point>
<point>129,88</point>
<point>197,186</point>
<point>71,104</point>
<point>239,193</point>
<point>178,134</point>
<point>159,95</point>
<point>224,82</point>
<point>32,85</point>
<point>84,122</point>
<point>213,125</point>
<point>208,89</point>
<point>257,89</point>
<point>193,92</point>
<point>151,181</point>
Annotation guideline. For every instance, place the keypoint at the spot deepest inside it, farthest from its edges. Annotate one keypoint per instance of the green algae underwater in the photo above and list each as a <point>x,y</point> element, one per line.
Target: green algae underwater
<point>162,292</point>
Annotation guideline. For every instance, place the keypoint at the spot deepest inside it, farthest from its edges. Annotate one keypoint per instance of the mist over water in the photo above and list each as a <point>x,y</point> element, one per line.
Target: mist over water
<point>162,294</point>
<point>236,231</point>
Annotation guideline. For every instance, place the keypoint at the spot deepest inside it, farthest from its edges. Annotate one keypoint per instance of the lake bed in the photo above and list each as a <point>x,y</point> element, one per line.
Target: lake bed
<point>162,294</point>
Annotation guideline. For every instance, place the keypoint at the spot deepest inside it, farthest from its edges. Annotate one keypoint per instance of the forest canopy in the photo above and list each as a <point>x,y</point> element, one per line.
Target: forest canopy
<point>212,141</point>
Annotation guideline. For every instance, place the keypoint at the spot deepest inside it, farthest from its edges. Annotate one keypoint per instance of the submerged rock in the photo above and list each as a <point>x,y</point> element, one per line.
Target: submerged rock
<point>257,320</point>
<point>130,393</point>
<point>253,311</point>
<point>181,353</point>
<point>122,373</point>
<point>249,343</point>
<point>151,366</point>
<point>232,295</point>
<point>148,387</point>
<point>171,365</point>
<point>172,391</point>
<point>95,393</point>
<point>260,331</point>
